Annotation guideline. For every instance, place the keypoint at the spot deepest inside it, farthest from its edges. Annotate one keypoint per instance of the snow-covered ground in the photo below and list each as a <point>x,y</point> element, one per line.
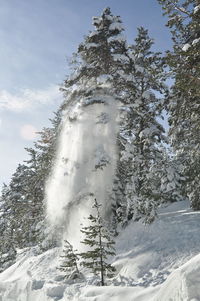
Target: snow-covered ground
<point>160,262</point>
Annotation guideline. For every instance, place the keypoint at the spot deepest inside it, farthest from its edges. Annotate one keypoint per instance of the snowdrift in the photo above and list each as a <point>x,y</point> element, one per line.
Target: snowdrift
<point>154,263</point>
<point>183,284</point>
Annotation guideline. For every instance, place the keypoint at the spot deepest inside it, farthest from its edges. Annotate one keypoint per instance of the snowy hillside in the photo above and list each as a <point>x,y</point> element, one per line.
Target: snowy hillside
<point>156,262</point>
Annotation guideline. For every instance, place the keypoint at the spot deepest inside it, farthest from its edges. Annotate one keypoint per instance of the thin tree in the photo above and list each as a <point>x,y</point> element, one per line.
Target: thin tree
<point>101,245</point>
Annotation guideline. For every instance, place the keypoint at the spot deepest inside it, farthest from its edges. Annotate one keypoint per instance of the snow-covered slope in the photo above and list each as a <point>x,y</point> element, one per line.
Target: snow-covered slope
<point>154,263</point>
<point>183,283</point>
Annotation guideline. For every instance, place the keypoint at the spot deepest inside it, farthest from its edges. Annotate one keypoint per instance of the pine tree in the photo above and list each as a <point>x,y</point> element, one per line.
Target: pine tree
<point>7,245</point>
<point>141,133</point>
<point>103,53</point>
<point>172,181</point>
<point>184,100</point>
<point>19,206</point>
<point>22,201</point>
<point>70,261</point>
<point>100,66</point>
<point>40,163</point>
<point>101,245</point>
<point>100,77</point>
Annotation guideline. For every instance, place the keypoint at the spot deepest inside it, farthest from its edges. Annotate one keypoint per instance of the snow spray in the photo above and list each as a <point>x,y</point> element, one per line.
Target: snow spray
<point>84,167</point>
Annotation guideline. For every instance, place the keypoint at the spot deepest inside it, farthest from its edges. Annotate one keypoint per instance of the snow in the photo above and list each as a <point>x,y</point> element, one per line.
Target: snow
<point>147,94</point>
<point>186,47</point>
<point>196,41</point>
<point>96,21</point>
<point>120,38</point>
<point>69,193</point>
<point>115,26</point>
<point>183,284</point>
<point>116,294</point>
<point>121,58</point>
<point>93,33</point>
<point>157,262</point>
<point>139,69</point>
<point>196,9</point>
<point>91,45</point>
<point>103,79</point>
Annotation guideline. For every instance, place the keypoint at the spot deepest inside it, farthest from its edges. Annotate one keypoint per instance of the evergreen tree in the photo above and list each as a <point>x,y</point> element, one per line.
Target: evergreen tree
<point>22,201</point>
<point>184,100</point>
<point>7,245</point>
<point>70,260</point>
<point>172,181</point>
<point>142,134</point>
<point>41,160</point>
<point>19,206</point>
<point>100,244</point>
<point>103,53</point>
<point>101,75</point>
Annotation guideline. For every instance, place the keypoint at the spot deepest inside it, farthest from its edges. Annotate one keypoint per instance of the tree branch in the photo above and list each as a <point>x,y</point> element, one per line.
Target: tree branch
<point>181,9</point>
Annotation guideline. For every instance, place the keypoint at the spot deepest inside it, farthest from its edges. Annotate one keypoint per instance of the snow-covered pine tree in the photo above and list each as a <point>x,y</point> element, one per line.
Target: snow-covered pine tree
<point>184,100</point>
<point>7,245</point>
<point>69,263</point>
<point>22,206</point>
<point>102,54</point>
<point>101,74</point>
<point>100,244</point>
<point>18,206</point>
<point>141,133</point>
<point>172,181</point>
<point>41,160</point>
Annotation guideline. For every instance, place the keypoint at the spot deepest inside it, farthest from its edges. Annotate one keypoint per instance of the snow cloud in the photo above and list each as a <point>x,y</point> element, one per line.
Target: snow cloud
<point>27,99</point>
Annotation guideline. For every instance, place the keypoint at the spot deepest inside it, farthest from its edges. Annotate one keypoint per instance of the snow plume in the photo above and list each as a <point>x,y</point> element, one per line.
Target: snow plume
<point>84,167</point>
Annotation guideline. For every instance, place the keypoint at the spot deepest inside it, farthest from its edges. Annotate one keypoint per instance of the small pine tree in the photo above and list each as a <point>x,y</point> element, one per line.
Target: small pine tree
<point>101,245</point>
<point>69,264</point>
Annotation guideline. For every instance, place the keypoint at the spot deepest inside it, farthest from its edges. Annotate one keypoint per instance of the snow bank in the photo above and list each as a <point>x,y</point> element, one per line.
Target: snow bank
<point>146,255</point>
<point>31,278</point>
<point>183,284</point>
<point>114,293</point>
<point>154,263</point>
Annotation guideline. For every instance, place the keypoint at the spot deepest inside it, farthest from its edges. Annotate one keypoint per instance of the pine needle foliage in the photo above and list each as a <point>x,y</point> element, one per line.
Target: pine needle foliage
<point>100,246</point>
<point>184,99</point>
<point>70,260</point>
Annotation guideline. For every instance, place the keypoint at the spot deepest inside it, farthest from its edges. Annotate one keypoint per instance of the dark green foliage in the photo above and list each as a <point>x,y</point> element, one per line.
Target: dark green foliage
<point>184,100</point>
<point>101,53</point>
<point>22,201</point>
<point>69,260</point>
<point>7,246</point>
<point>184,22</point>
<point>141,135</point>
<point>100,246</point>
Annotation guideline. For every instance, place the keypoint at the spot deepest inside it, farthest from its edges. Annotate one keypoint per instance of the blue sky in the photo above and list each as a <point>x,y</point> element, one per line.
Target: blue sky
<point>37,37</point>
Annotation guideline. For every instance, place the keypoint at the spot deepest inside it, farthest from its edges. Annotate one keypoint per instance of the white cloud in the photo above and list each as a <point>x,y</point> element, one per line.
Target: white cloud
<point>28,132</point>
<point>28,99</point>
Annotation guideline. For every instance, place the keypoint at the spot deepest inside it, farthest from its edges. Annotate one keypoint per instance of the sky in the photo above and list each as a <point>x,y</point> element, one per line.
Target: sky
<point>37,39</point>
